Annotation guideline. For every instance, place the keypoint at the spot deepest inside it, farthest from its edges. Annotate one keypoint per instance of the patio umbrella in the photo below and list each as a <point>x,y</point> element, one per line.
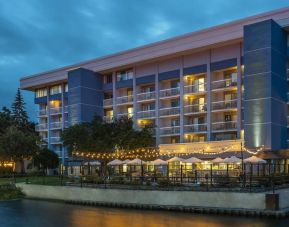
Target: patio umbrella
<point>232,159</point>
<point>217,160</point>
<point>115,162</point>
<point>254,160</point>
<point>136,162</point>
<point>176,159</point>
<point>125,161</point>
<point>159,162</point>
<point>193,160</point>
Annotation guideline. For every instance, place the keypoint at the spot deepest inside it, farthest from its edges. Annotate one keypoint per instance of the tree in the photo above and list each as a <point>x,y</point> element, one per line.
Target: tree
<point>46,159</point>
<point>5,119</point>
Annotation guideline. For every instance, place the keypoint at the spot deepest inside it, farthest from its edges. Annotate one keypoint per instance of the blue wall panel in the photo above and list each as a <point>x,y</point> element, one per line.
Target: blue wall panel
<point>265,83</point>
<point>55,97</point>
<point>40,100</point>
<point>223,64</point>
<point>107,87</point>
<point>174,74</point>
<point>124,84</point>
<point>195,69</point>
<point>145,79</point>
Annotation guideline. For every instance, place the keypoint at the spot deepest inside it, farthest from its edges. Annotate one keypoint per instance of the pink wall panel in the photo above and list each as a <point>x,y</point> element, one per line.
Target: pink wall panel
<point>145,70</point>
<point>225,52</point>
<point>196,59</point>
<point>169,65</point>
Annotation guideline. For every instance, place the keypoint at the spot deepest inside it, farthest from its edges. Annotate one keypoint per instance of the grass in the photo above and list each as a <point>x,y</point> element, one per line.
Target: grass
<point>10,193</point>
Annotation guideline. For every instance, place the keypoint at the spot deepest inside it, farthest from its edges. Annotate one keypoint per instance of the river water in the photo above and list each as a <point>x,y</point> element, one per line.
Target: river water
<point>40,213</point>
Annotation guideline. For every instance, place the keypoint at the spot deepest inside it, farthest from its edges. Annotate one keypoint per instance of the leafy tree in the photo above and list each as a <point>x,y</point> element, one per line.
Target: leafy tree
<point>5,119</point>
<point>46,159</point>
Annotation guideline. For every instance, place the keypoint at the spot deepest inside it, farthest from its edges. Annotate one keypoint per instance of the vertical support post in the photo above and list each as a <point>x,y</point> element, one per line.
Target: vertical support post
<point>181,100</point>
<point>209,96</point>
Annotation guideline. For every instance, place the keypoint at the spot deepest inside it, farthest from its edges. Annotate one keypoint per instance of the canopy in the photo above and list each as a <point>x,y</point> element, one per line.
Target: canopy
<point>232,159</point>
<point>193,160</point>
<point>93,163</point>
<point>217,160</point>
<point>115,162</point>
<point>136,162</point>
<point>176,159</point>
<point>159,162</point>
<point>254,160</point>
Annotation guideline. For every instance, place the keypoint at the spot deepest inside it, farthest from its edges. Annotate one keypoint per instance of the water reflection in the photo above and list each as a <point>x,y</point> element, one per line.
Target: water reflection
<point>39,213</point>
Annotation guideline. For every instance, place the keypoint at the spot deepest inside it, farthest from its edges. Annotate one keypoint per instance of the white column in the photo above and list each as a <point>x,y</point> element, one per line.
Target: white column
<point>134,92</point>
<point>209,97</point>
<point>181,100</point>
<point>114,95</point>
<point>239,93</point>
<point>157,104</point>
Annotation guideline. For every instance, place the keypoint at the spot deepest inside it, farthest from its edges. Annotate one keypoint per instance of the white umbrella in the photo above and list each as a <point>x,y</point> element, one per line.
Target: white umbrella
<point>136,162</point>
<point>115,162</point>
<point>217,160</point>
<point>159,162</point>
<point>125,161</point>
<point>176,159</point>
<point>193,160</point>
<point>94,163</point>
<point>232,159</point>
<point>254,160</point>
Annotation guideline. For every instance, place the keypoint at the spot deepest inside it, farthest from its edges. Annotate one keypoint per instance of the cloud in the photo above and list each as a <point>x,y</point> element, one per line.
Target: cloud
<point>42,35</point>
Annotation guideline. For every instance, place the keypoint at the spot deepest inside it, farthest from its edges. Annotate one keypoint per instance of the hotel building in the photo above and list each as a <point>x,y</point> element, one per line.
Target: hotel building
<point>213,89</point>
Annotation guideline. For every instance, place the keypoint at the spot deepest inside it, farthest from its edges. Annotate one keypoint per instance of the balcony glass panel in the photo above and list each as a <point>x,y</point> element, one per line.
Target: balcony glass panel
<point>169,111</point>
<point>169,92</point>
<point>223,84</point>
<point>197,108</point>
<point>170,130</point>
<point>146,114</point>
<point>223,126</point>
<point>228,104</point>
<point>193,128</point>
<point>146,96</point>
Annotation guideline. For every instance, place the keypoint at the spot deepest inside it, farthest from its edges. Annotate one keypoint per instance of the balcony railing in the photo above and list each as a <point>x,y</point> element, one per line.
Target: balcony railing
<point>223,126</point>
<point>220,84</point>
<point>197,108</point>
<point>146,96</point>
<point>66,109</point>
<point>56,125</point>
<point>55,139</point>
<point>228,104</point>
<point>146,114</point>
<point>193,128</point>
<point>169,111</point>
<point>169,92</point>
<point>173,130</point>
<point>108,119</point>
<point>57,110</point>
<point>107,102</point>
<point>42,112</point>
<point>128,115</point>
<point>124,99</point>
<point>41,127</point>
<point>188,89</point>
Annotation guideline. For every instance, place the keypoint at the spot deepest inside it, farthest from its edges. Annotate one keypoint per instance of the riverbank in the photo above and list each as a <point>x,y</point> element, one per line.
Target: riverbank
<point>234,203</point>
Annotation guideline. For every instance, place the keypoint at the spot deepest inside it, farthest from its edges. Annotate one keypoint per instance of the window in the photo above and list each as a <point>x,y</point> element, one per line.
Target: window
<point>147,107</point>
<point>175,139</point>
<point>109,113</point>
<point>41,92</point>
<point>124,75</point>
<point>55,90</point>
<point>107,79</point>
<point>108,96</point>
<point>147,89</point>
<point>175,122</point>
<point>175,84</point>
<point>175,103</point>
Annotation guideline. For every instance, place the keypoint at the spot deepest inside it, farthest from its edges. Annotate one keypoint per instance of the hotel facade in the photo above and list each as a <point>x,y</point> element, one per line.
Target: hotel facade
<point>219,89</point>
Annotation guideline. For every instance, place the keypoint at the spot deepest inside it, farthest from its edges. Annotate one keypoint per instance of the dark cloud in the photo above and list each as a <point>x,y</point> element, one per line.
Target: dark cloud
<point>40,35</point>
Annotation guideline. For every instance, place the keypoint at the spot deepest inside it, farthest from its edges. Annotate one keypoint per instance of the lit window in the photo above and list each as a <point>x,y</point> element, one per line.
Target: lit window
<point>41,92</point>
<point>55,90</point>
<point>124,75</point>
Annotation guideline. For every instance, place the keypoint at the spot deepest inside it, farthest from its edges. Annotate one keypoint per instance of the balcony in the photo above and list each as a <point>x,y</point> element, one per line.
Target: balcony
<point>125,99</point>
<point>107,102</point>
<point>42,113</point>
<point>169,92</point>
<point>224,126</point>
<point>56,125</point>
<point>146,96</point>
<point>167,131</point>
<point>195,128</point>
<point>193,89</point>
<point>171,111</point>
<point>55,111</point>
<point>128,115</point>
<point>66,109</point>
<point>197,108</point>
<point>108,119</point>
<point>55,140</point>
<point>146,114</point>
<point>223,84</point>
<point>41,127</point>
<point>224,105</point>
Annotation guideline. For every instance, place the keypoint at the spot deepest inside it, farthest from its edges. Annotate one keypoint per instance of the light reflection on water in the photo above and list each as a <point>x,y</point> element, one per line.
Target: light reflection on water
<point>40,213</point>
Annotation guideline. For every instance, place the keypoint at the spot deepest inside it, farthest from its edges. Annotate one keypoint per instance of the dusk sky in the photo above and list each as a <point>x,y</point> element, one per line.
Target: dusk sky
<point>36,35</point>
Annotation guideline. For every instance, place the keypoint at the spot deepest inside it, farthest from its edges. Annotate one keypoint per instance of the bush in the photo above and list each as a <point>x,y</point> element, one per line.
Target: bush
<point>9,192</point>
<point>163,182</point>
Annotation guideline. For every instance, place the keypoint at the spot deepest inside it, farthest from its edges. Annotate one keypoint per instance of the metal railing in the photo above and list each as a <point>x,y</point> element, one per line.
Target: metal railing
<point>42,112</point>
<point>55,139</point>
<point>108,119</point>
<point>172,130</point>
<point>196,108</point>
<point>220,84</point>
<point>107,102</point>
<point>193,128</point>
<point>223,126</point>
<point>169,111</point>
<point>146,114</point>
<point>228,104</point>
<point>146,96</point>
<point>128,115</point>
<point>124,99</point>
<point>169,92</point>
<point>56,125</point>
<point>190,89</point>
<point>41,127</point>
<point>57,110</point>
